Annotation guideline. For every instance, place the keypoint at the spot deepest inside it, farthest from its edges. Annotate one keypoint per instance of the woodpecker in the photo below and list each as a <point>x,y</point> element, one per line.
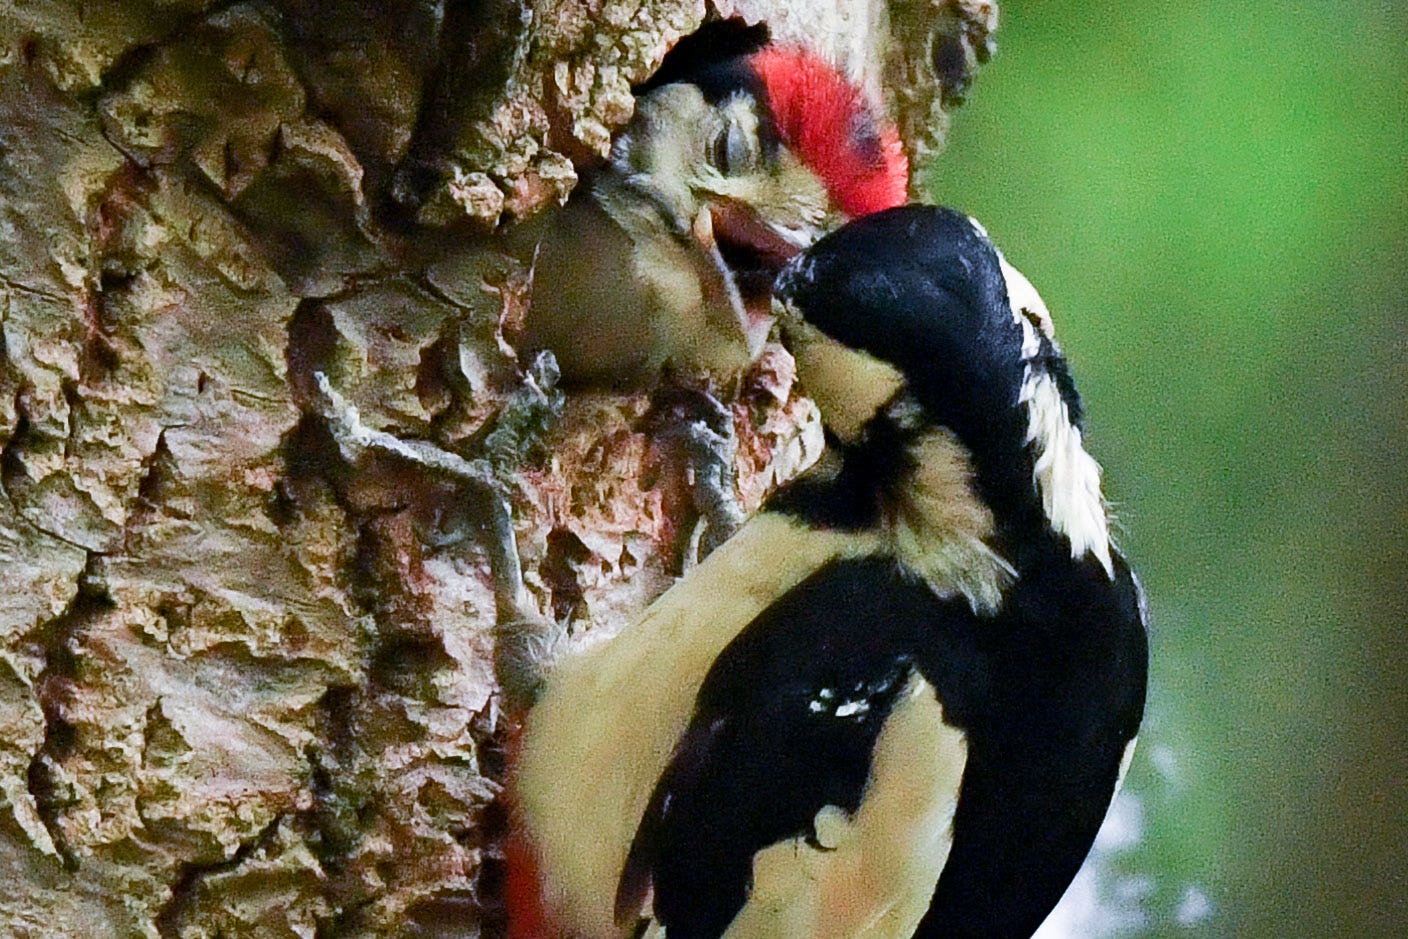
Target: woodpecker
<point>741,152</point>
<point>899,701</point>
<point>665,259</point>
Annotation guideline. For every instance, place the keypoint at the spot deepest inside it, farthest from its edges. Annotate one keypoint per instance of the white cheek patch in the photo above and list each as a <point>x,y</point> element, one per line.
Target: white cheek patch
<point>849,387</point>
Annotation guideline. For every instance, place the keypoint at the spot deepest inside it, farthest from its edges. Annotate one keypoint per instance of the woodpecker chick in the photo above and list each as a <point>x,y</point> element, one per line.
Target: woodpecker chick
<point>899,701</point>
<point>663,262</point>
<point>666,256</point>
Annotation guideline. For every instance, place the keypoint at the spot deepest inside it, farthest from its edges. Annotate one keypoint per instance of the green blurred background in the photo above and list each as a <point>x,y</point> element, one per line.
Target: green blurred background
<point>1212,197</point>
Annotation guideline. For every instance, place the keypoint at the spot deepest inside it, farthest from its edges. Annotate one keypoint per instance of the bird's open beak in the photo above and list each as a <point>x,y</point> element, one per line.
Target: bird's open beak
<point>751,253</point>
<point>747,242</point>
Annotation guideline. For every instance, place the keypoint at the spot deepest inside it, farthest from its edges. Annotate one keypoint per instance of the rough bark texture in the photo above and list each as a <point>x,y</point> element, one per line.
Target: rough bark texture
<point>246,684</point>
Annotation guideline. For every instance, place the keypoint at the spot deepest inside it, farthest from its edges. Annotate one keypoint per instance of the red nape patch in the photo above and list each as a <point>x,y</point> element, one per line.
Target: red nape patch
<point>827,122</point>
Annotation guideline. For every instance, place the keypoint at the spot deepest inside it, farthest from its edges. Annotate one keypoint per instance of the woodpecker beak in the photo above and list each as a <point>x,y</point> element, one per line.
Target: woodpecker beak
<point>741,231</point>
<point>748,253</point>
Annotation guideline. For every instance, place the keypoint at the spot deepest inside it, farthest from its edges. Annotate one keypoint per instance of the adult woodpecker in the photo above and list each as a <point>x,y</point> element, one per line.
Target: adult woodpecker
<point>666,257</point>
<point>899,701</point>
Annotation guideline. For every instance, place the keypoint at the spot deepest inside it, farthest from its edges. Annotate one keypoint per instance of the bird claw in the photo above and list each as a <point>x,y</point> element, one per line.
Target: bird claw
<point>703,427</point>
<point>525,641</point>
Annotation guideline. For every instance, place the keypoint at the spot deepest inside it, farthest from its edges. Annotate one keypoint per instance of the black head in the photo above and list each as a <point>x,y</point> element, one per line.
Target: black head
<point>920,289</point>
<point>916,306</point>
<point>708,57</point>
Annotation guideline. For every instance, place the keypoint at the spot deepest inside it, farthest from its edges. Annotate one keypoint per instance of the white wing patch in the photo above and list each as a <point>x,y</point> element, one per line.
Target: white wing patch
<point>1067,477</point>
<point>874,873</point>
<point>1027,306</point>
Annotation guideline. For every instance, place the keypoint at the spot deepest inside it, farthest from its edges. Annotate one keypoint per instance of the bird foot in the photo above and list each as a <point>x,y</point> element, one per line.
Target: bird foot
<point>526,642</point>
<point>703,428</point>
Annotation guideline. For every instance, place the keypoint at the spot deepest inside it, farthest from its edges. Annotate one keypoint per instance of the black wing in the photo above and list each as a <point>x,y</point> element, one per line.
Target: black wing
<point>1048,694</point>
<point>786,723</point>
<point>1068,660</point>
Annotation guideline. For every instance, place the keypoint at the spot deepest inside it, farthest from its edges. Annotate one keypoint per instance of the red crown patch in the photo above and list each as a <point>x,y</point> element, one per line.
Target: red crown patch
<point>826,120</point>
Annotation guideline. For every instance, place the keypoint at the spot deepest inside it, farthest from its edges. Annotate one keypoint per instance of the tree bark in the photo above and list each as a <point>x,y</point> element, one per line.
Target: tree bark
<point>246,682</point>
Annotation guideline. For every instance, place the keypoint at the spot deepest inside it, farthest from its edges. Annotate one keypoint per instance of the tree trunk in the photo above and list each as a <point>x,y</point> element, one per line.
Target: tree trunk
<point>246,682</point>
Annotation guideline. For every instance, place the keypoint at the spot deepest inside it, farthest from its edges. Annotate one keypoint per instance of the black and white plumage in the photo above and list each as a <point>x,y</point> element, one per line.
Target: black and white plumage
<point>899,701</point>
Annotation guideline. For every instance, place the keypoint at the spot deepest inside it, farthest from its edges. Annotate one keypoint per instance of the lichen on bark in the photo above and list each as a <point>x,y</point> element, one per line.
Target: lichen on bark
<point>246,682</point>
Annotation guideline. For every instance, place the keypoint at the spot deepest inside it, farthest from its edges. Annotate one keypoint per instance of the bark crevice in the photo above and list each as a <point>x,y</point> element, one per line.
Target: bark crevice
<point>45,778</point>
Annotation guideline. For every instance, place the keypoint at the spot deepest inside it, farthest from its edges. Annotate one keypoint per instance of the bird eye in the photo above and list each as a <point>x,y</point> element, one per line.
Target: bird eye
<point>732,150</point>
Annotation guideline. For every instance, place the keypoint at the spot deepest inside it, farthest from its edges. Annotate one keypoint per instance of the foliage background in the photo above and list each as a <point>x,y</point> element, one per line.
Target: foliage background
<point>1212,198</point>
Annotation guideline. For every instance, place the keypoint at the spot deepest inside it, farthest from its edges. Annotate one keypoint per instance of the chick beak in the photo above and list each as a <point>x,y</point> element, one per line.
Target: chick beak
<point>750,253</point>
